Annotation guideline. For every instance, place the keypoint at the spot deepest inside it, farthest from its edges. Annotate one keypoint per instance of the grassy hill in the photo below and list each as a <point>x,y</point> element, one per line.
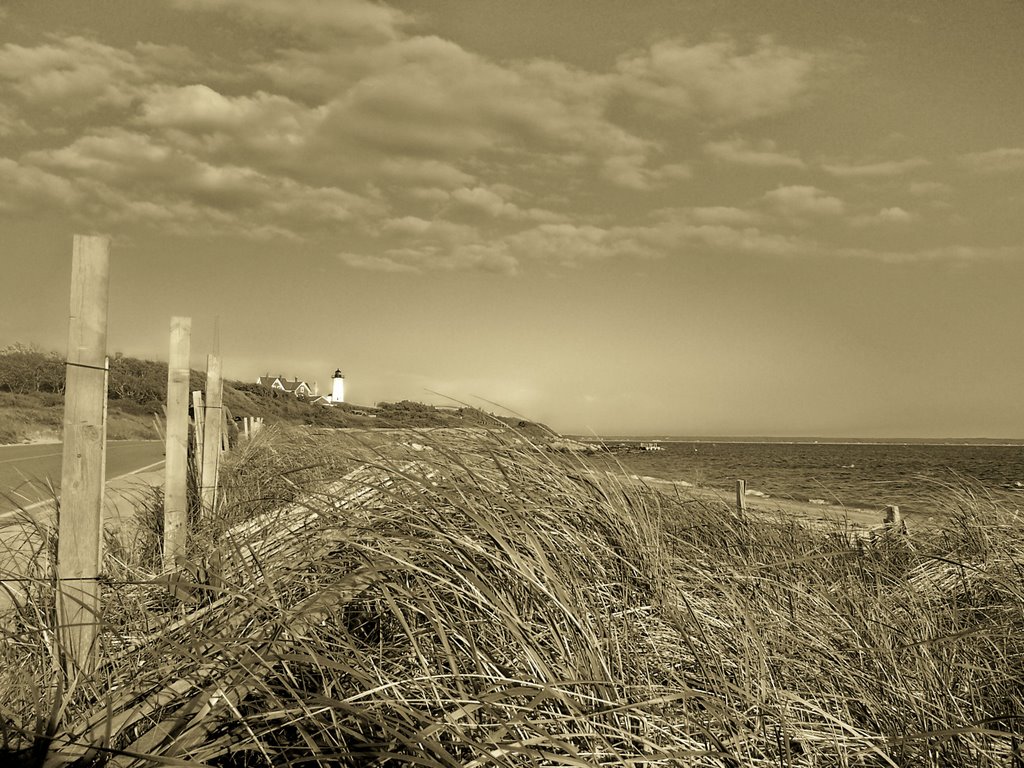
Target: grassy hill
<point>32,402</point>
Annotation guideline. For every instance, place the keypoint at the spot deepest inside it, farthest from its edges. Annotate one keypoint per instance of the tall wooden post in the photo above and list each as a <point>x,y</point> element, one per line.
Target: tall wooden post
<point>211,434</point>
<point>80,522</point>
<point>176,448</point>
<point>741,497</point>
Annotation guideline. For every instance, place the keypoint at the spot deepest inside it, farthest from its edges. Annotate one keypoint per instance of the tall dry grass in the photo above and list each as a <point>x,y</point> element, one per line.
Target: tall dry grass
<point>467,598</point>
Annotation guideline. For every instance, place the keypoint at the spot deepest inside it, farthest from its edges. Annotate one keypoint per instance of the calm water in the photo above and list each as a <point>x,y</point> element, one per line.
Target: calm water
<point>856,475</point>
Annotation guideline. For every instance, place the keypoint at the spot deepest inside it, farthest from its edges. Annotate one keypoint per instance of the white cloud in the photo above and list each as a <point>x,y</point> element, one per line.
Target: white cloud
<point>431,98</point>
<point>803,200</point>
<point>23,187</point>
<point>763,153</point>
<point>1001,160</point>
<point>895,214</point>
<point>72,75</point>
<point>717,80</point>
<point>201,107</point>
<point>485,200</point>
<point>120,171</point>
<point>631,172</point>
<point>880,169</point>
<point>892,215</point>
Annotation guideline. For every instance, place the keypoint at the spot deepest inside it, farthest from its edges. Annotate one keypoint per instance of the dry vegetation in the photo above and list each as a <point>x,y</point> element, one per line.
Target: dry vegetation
<point>32,401</point>
<point>466,598</point>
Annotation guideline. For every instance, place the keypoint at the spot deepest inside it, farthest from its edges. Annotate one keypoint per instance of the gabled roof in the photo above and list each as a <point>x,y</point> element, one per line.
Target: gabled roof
<point>279,382</point>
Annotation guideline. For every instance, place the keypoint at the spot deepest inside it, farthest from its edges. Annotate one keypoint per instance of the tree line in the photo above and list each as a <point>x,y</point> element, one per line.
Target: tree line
<point>26,369</point>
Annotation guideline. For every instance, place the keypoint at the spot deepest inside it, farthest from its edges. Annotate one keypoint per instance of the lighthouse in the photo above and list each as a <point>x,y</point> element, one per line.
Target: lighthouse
<point>338,389</point>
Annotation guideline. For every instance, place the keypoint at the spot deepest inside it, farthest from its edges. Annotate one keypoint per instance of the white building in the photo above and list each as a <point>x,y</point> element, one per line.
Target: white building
<point>338,389</point>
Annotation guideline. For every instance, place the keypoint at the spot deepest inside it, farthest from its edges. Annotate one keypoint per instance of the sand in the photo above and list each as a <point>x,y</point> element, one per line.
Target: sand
<point>826,514</point>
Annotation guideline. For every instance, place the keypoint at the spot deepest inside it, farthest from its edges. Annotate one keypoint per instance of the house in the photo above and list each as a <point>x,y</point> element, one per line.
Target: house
<point>295,387</point>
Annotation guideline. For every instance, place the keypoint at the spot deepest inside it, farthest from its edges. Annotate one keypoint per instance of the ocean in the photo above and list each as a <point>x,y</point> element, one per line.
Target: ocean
<point>855,475</point>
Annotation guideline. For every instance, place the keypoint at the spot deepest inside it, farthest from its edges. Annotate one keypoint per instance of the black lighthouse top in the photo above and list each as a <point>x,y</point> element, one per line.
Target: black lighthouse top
<point>337,374</point>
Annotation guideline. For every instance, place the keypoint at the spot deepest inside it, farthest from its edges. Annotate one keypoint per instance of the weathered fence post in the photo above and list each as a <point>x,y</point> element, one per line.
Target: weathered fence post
<point>893,520</point>
<point>741,497</point>
<point>211,435</point>
<point>225,427</point>
<point>80,517</point>
<point>197,435</point>
<point>176,447</point>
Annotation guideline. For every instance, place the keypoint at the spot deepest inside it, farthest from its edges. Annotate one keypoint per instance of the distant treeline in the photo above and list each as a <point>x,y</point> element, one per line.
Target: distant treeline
<point>139,384</point>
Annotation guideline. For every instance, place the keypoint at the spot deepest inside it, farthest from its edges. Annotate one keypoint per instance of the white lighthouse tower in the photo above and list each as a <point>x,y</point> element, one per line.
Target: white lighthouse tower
<point>338,390</point>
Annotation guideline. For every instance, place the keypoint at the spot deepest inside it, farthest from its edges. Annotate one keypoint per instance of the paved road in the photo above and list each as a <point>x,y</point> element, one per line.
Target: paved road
<point>28,471</point>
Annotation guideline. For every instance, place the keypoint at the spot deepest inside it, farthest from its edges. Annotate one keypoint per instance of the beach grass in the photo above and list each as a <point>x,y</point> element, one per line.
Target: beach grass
<point>470,598</point>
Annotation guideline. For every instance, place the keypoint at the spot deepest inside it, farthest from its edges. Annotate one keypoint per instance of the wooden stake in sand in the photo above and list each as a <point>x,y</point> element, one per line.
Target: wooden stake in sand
<point>80,517</point>
<point>211,434</point>
<point>176,450</point>
<point>197,434</point>
<point>741,497</point>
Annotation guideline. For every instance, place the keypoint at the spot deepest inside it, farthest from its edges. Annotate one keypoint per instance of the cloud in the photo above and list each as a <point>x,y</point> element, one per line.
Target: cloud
<point>420,170</point>
<point>120,172</point>
<point>631,172</point>
<point>718,81</point>
<point>893,215</point>
<point>1001,160</point>
<point>492,204</point>
<point>71,75</point>
<point>762,154</point>
<point>24,187</point>
<point>796,201</point>
<point>574,245</point>
<point>947,253</point>
<point>432,98</point>
<point>313,17</point>
<point>202,108</point>
<point>880,169</point>
<point>261,128</point>
<point>112,155</point>
<point>374,263</point>
<point>12,124</point>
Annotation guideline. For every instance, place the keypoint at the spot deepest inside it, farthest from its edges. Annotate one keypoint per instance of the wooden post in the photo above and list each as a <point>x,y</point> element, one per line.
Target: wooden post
<point>741,497</point>
<point>176,446</point>
<point>893,520</point>
<point>225,431</point>
<point>197,434</point>
<point>80,517</point>
<point>211,435</point>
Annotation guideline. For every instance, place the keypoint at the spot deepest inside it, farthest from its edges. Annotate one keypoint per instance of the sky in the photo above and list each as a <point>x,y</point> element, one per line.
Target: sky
<point>689,217</point>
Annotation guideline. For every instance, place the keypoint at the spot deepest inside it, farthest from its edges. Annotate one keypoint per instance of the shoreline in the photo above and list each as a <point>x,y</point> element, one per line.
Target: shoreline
<point>831,514</point>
